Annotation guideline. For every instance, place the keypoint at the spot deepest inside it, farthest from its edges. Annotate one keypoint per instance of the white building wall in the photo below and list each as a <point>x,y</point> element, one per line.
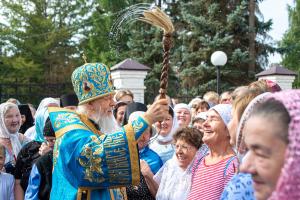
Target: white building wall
<point>285,82</point>
<point>132,80</point>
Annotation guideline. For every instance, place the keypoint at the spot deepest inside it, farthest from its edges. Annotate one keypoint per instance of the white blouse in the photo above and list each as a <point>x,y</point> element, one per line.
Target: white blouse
<point>174,182</point>
<point>165,151</point>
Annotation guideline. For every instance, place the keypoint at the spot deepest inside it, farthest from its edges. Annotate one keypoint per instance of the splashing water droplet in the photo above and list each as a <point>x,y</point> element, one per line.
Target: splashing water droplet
<point>124,19</point>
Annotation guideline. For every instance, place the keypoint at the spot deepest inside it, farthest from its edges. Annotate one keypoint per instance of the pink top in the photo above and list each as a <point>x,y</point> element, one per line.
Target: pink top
<point>208,181</point>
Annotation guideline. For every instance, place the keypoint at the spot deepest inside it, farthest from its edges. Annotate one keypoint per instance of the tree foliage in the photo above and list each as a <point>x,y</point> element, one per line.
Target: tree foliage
<point>290,43</point>
<point>44,40</point>
<point>39,38</point>
<point>97,42</point>
<point>216,25</point>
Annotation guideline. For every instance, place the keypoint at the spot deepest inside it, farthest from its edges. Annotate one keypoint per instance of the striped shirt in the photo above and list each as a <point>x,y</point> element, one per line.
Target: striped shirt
<point>208,181</point>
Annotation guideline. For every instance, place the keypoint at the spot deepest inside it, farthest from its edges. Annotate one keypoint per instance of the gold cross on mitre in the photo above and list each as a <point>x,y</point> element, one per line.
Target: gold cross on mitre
<point>84,58</point>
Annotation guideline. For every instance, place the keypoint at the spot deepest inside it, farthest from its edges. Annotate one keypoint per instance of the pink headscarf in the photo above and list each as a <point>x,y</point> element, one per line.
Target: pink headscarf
<point>240,137</point>
<point>288,185</point>
<point>273,86</point>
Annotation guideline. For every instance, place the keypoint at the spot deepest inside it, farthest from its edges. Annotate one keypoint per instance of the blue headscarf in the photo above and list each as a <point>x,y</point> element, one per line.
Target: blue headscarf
<point>41,117</point>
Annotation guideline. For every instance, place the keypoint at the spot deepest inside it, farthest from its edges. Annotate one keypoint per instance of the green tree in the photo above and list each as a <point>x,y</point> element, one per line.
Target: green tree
<point>137,40</point>
<point>40,38</point>
<point>211,26</point>
<point>97,42</point>
<point>290,43</point>
<point>145,46</point>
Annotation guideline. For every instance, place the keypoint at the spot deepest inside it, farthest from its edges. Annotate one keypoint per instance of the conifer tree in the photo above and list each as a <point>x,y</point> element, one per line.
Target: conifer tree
<point>97,44</point>
<point>212,26</point>
<point>40,38</point>
<point>145,46</point>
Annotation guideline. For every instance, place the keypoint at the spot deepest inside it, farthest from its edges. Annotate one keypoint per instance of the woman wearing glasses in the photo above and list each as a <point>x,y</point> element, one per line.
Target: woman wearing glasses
<point>174,178</point>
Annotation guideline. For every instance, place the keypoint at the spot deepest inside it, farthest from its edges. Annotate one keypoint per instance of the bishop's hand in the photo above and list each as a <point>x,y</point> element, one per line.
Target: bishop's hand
<point>158,111</point>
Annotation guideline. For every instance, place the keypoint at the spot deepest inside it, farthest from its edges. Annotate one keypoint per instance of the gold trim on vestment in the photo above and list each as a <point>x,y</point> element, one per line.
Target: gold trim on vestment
<point>89,193</point>
<point>59,109</point>
<point>133,153</point>
<point>96,97</point>
<point>68,128</point>
<point>79,194</point>
<point>111,193</point>
<point>124,193</point>
<point>84,119</point>
<point>112,196</point>
<point>89,124</point>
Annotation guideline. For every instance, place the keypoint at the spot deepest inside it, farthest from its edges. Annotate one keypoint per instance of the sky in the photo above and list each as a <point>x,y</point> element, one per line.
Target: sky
<point>277,11</point>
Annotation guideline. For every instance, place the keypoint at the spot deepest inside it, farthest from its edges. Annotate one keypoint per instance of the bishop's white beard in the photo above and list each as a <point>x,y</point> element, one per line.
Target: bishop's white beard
<point>106,122</point>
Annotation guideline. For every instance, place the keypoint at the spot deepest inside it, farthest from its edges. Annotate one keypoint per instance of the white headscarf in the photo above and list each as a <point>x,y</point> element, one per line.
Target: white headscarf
<point>174,128</point>
<point>4,133</point>
<point>182,106</point>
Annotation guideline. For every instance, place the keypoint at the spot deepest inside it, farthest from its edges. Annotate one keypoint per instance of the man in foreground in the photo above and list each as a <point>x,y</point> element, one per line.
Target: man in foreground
<point>88,158</point>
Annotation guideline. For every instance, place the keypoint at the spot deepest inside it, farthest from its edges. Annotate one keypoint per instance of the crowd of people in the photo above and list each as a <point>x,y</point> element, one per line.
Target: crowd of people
<point>99,143</point>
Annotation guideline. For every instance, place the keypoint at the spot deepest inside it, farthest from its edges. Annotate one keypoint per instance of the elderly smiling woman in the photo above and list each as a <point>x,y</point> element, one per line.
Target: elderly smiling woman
<point>173,180</point>
<point>213,172</point>
<point>272,135</point>
<point>10,138</point>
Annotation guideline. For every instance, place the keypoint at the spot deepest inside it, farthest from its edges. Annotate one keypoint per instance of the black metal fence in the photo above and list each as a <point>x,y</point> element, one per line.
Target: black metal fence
<point>33,92</point>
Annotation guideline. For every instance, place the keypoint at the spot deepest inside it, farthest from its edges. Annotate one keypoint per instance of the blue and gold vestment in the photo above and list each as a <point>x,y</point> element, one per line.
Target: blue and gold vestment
<point>85,160</point>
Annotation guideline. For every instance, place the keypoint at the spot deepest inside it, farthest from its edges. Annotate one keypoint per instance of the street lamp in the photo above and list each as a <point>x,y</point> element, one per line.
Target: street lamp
<point>218,59</point>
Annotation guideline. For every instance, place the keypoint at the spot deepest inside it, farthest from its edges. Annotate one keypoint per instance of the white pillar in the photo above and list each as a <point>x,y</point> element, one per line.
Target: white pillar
<point>284,81</point>
<point>132,80</point>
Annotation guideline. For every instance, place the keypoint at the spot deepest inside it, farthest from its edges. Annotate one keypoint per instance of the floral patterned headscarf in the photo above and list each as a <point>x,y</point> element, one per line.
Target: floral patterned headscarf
<point>240,145</point>
<point>288,185</point>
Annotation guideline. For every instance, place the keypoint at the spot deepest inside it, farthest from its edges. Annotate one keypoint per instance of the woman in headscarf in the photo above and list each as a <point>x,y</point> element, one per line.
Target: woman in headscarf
<point>148,158</point>
<point>30,152</point>
<point>161,143</point>
<point>183,114</point>
<point>10,138</point>
<point>241,185</point>
<point>174,178</point>
<point>272,135</point>
<point>36,131</point>
<point>212,172</point>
